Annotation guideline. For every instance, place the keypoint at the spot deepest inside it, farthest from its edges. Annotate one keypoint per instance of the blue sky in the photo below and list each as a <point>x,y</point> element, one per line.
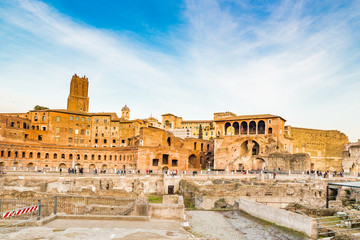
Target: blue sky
<point>297,59</point>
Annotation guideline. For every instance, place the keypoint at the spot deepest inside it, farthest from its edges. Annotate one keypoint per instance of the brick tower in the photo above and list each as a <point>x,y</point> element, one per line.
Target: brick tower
<point>78,98</point>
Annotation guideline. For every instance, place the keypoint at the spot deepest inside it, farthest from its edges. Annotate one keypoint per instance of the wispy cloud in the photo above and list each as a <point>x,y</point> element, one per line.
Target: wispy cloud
<point>289,60</point>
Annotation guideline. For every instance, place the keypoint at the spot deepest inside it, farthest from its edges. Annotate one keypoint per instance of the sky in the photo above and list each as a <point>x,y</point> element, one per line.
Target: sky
<point>296,59</point>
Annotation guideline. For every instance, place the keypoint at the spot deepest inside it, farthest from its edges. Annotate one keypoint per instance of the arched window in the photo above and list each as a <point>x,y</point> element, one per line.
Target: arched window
<point>38,155</point>
<point>99,157</point>
<point>2,153</point>
<point>115,157</point>
<point>85,157</point>
<point>236,128</point>
<point>110,158</point>
<point>9,153</point>
<point>227,125</point>
<point>44,118</point>
<point>62,156</point>
<point>208,147</point>
<point>70,156</point>
<point>30,155</point>
<point>93,157</point>
<point>104,157</point>
<point>244,128</point>
<point>169,141</point>
<point>46,155</point>
<point>261,127</point>
<point>202,146</point>
<point>78,157</point>
<point>16,154</point>
<point>55,156</point>
<point>252,127</point>
<point>270,130</point>
<point>194,145</point>
<point>23,154</point>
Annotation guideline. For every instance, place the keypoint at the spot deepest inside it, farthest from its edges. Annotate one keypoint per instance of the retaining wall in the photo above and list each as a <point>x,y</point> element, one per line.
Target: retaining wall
<point>298,222</point>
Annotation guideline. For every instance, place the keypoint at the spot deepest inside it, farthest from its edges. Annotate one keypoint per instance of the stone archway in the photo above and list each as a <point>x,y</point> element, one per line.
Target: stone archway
<point>258,164</point>
<point>193,161</point>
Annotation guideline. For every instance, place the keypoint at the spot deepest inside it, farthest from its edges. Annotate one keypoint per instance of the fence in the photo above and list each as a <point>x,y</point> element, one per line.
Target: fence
<point>343,224</point>
<point>70,205</point>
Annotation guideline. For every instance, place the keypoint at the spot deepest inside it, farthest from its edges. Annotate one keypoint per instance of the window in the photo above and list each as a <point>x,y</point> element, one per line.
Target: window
<point>62,156</point>
<point>40,137</point>
<point>88,119</point>
<point>82,132</point>
<point>123,141</point>
<point>76,131</point>
<point>46,155</point>
<point>81,140</point>
<point>43,128</point>
<point>70,130</point>
<point>85,157</point>
<point>96,141</point>
<point>93,157</point>
<point>57,139</point>
<point>165,159</point>
<point>12,124</point>
<point>35,118</point>
<point>155,162</point>
<point>55,156</point>
<point>57,130</point>
<point>99,157</point>
<point>71,118</point>
<point>58,119</point>
<point>114,140</point>
<point>23,155</point>
<point>70,140</point>
<point>9,153</point>
<point>174,163</point>
<point>77,118</point>
<point>87,132</point>
<point>76,140</point>
<point>269,121</point>
<point>194,145</point>
<point>105,120</point>
<point>83,119</point>
<point>38,155</point>
<point>97,120</point>
<point>26,136</point>
<point>105,141</point>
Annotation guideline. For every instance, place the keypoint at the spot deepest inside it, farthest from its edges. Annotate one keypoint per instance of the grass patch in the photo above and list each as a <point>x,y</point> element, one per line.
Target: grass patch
<point>155,199</point>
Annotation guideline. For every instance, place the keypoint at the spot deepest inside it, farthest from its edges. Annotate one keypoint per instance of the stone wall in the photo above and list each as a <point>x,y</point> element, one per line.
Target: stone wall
<point>280,217</point>
<point>324,147</point>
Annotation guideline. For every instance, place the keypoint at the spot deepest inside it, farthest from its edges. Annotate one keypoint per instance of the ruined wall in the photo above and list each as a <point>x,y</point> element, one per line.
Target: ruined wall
<point>324,147</point>
<point>351,158</point>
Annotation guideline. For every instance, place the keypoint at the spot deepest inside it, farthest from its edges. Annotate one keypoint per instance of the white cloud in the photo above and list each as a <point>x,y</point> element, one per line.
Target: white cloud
<point>289,62</point>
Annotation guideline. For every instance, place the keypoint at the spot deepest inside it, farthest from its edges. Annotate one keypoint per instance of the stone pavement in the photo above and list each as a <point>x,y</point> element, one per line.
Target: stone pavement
<point>92,229</point>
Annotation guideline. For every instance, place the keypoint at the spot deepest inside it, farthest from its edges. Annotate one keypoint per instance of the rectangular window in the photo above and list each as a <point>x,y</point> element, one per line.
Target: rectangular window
<point>105,120</point>
<point>57,139</point>
<point>165,159</point>
<point>155,162</point>
<point>58,119</point>
<point>96,141</point>
<point>70,140</point>
<point>82,132</point>
<point>77,118</point>
<point>76,140</point>
<point>57,130</point>
<point>269,121</point>
<point>87,132</point>
<point>97,120</point>
<point>81,140</point>
<point>83,119</point>
<point>174,163</point>
<point>40,137</point>
<point>71,118</point>
<point>70,130</point>
<point>26,136</point>
<point>76,131</point>
<point>88,119</point>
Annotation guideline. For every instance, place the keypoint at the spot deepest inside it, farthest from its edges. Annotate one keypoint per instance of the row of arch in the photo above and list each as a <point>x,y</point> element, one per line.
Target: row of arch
<point>195,145</point>
<point>128,157</point>
<point>78,165</point>
<point>245,129</point>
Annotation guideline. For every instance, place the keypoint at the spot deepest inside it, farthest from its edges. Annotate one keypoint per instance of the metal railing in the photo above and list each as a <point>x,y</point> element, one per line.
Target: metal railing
<point>345,224</point>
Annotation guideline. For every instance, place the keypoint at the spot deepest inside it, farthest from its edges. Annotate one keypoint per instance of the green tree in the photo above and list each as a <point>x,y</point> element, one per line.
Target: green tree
<point>200,132</point>
<point>38,107</point>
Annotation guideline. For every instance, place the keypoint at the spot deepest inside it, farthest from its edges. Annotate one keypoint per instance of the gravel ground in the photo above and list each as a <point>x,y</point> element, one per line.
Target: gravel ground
<point>235,225</point>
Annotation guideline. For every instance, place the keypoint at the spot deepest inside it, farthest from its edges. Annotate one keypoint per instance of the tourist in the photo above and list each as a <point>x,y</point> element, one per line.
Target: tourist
<point>274,175</point>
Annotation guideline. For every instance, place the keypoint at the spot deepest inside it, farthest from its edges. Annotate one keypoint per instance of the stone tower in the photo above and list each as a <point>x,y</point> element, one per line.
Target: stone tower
<point>78,98</point>
<point>125,112</point>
